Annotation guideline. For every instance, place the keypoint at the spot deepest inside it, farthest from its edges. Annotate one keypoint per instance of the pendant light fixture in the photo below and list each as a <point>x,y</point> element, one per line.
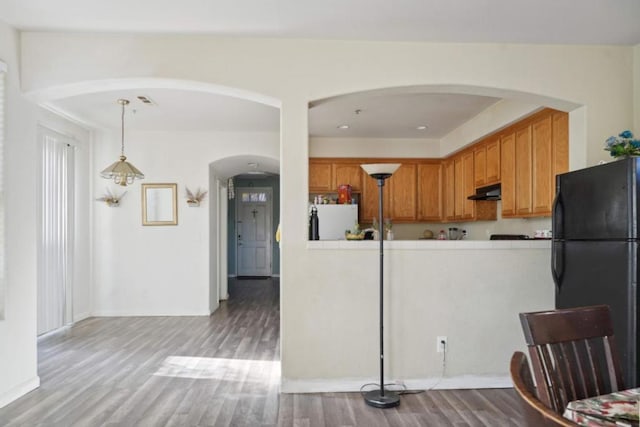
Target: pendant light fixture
<point>122,172</point>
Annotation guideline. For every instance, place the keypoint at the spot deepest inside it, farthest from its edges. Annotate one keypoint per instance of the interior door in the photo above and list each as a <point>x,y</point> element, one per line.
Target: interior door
<point>253,226</point>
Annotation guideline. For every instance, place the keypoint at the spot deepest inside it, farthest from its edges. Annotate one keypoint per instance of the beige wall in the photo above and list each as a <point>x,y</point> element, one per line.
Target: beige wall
<point>156,271</point>
<point>636,89</point>
<point>18,356</point>
<point>296,72</point>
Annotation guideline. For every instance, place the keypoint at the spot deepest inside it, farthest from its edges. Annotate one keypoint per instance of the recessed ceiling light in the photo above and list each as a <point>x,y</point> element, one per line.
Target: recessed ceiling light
<point>422,127</point>
<point>343,127</point>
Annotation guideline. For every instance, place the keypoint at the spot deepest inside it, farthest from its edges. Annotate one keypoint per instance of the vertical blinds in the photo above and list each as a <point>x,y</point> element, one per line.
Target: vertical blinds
<point>56,244</point>
<point>3,72</point>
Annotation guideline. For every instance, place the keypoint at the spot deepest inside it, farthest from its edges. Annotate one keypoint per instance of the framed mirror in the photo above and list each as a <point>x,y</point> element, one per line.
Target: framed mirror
<point>159,204</point>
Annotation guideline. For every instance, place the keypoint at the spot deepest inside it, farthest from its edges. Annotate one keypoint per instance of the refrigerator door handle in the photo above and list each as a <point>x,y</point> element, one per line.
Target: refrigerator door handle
<point>557,262</point>
<point>558,214</point>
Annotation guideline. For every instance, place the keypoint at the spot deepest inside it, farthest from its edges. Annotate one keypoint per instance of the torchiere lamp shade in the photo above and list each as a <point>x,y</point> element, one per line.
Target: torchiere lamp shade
<point>380,170</point>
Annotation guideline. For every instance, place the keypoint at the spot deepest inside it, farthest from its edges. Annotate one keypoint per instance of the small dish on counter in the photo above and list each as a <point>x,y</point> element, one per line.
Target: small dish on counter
<point>351,236</point>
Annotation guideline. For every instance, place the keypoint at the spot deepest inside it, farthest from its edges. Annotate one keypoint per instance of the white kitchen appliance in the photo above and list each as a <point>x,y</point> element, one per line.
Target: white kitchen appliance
<point>334,220</point>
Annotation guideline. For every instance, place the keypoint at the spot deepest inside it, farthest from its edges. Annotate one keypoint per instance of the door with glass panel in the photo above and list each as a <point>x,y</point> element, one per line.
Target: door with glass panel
<point>253,229</point>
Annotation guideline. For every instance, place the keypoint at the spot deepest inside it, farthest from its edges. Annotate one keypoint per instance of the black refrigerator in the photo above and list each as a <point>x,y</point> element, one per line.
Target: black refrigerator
<point>594,257</point>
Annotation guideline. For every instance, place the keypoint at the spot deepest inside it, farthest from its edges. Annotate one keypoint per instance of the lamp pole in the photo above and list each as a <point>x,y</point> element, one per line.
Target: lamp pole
<point>381,398</point>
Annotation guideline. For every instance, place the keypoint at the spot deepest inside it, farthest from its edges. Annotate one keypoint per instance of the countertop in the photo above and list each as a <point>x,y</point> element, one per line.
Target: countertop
<point>430,244</point>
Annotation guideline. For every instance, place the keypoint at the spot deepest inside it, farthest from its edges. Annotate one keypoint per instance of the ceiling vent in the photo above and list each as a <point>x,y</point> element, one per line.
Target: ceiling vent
<point>146,100</point>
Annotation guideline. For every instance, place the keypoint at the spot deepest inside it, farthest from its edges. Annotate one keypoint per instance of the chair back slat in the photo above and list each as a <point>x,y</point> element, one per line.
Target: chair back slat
<point>573,354</point>
<point>536,413</point>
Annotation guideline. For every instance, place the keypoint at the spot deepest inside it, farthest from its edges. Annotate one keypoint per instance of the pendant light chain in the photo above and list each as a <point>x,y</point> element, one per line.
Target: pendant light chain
<point>123,103</point>
<point>122,172</point>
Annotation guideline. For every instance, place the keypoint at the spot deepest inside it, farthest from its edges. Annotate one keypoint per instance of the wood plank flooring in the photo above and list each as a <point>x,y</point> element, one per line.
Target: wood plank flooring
<point>221,370</point>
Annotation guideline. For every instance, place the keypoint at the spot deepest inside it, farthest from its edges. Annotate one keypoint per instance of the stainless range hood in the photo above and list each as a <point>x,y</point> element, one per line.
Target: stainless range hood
<point>490,192</point>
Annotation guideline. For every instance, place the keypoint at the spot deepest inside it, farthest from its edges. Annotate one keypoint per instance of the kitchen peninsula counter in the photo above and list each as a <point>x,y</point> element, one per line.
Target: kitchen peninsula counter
<point>430,244</point>
<point>470,291</point>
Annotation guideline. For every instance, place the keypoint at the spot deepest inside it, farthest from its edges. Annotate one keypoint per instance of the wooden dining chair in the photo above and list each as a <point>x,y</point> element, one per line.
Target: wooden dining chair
<point>536,413</point>
<point>573,354</point>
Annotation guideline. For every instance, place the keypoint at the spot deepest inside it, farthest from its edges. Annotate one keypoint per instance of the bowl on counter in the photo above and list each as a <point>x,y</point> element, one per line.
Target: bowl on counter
<point>427,234</point>
<point>352,236</point>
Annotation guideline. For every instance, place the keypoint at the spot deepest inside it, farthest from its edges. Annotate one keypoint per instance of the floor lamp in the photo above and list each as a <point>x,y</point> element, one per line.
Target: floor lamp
<point>381,398</point>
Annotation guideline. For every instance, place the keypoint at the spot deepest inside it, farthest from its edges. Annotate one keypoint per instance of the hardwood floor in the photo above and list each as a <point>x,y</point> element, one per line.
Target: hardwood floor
<point>221,370</point>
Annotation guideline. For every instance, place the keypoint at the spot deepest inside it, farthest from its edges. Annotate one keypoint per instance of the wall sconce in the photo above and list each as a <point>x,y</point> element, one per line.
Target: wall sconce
<point>194,199</point>
<point>111,199</point>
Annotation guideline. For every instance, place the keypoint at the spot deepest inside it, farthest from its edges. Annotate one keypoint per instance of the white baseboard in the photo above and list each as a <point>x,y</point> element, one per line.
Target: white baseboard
<point>231,275</point>
<point>81,316</point>
<point>19,391</point>
<point>351,385</point>
<point>275,275</point>
<point>109,313</point>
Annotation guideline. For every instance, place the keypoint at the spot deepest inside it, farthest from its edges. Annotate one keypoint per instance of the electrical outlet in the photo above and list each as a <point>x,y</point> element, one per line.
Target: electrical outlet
<point>441,344</point>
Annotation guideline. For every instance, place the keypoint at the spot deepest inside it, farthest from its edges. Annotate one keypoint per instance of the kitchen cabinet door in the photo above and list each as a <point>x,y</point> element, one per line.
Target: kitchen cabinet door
<point>448,190</point>
<point>320,178</point>
<point>480,164</point>
<point>368,208</point>
<point>347,173</point>
<point>508,174</point>
<point>493,161</point>
<point>404,193</point>
<point>468,186</point>
<point>560,137</point>
<point>523,171</point>
<point>458,184</point>
<point>430,187</point>
<point>542,165</point>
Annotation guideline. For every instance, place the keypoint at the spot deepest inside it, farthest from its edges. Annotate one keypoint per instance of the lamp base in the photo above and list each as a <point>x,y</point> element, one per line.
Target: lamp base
<point>376,399</point>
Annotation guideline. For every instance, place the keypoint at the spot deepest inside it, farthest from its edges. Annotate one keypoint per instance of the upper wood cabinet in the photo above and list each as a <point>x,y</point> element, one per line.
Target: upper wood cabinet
<point>430,186</point>
<point>533,153</point>
<point>348,173</point>
<point>493,161</point>
<point>524,158</point>
<point>448,190</point>
<point>508,173</point>
<point>325,175</point>
<point>560,137</point>
<point>480,164</point>
<point>486,162</point>
<point>404,193</point>
<point>320,176</point>
<point>523,171</point>
<point>468,187</point>
<point>542,170</point>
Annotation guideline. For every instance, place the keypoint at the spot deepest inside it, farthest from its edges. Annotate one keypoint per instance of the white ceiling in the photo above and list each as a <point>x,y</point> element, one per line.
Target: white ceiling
<point>172,110</point>
<point>388,115</point>
<point>497,21</point>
